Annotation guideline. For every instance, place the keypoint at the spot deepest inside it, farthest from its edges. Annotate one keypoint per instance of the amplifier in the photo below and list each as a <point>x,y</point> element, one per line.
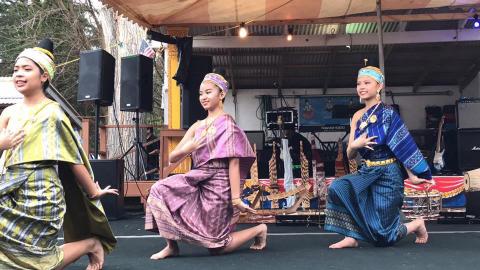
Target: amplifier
<point>109,172</point>
<point>468,111</point>
<point>288,117</point>
<point>468,143</point>
<point>473,203</point>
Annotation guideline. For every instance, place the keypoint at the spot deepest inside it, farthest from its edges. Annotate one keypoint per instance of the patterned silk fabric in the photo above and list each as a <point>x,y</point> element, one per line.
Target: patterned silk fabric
<point>366,205</point>
<point>39,194</point>
<point>393,140</point>
<point>196,207</point>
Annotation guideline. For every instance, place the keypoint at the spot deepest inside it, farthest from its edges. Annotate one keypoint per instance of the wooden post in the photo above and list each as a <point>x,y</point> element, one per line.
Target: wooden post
<point>174,94</point>
<point>174,98</point>
<point>381,58</point>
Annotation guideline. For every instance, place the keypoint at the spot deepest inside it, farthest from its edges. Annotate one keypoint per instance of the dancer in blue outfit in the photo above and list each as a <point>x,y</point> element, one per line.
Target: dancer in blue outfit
<point>366,205</point>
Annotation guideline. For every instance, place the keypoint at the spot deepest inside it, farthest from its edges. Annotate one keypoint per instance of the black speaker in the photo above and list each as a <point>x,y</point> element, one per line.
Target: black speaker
<point>110,172</point>
<point>192,110</point>
<point>451,150</point>
<point>97,77</point>
<point>468,142</point>
<point>473,203</point>
<point>468,110</point>
<point>136,85</point>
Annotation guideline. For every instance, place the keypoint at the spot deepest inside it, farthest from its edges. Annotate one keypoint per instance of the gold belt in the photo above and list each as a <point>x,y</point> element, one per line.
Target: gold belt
<point>380,162</point>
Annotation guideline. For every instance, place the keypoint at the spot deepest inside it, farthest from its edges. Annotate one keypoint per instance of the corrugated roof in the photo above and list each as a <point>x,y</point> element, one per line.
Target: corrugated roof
<point>318,67</point>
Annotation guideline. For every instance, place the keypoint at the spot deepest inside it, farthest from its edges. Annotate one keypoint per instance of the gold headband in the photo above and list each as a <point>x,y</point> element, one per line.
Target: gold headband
<point>41,58</point>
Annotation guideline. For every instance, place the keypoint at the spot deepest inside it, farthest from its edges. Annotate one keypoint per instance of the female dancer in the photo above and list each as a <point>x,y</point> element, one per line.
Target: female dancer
<point>201,206</point>
<point>47,180</point>
<point>366,205</point>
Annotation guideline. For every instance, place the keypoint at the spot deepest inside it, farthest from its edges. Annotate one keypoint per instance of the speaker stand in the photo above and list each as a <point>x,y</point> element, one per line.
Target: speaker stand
<point>97,130</point>
<point>139,149</point>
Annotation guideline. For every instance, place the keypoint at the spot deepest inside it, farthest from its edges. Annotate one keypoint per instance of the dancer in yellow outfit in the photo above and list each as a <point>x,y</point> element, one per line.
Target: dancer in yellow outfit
<point>47,180</point>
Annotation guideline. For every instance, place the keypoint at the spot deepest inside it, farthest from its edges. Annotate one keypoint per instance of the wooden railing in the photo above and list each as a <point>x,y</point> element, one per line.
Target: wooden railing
<point>168,139</point>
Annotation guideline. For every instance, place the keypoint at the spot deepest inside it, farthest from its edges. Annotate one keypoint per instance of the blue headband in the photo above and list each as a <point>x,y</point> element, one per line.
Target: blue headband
<point>372,73</point>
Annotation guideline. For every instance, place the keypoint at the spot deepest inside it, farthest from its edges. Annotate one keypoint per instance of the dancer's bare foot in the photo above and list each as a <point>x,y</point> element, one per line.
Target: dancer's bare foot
<point>261,238</point>
<point>347,242</point>
<point>421,232</point>
<point>171,250</point>
<point>96,256</point>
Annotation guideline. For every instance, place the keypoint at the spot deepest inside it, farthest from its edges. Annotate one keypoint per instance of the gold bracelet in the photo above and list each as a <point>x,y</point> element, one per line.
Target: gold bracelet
<point>236,201</point>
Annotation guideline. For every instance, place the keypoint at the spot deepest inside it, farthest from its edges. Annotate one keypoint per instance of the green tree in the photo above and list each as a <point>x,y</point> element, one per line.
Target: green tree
<point>72,25</point>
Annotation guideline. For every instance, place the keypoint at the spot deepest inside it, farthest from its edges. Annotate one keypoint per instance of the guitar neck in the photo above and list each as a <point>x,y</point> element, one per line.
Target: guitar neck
<point>439,136</point>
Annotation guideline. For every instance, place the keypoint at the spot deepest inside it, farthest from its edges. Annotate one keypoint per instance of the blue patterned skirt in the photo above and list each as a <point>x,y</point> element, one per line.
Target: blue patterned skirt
<point>366,205</point>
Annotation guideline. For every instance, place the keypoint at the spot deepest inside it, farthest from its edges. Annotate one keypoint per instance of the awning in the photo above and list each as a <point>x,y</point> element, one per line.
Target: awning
<point>153,13</point>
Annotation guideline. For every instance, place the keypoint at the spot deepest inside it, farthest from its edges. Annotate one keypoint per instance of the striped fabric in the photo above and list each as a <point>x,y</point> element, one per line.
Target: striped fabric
<point>196,207</point>
<point>38,193</point>
<point>366,205</point>
<point>30,223</point>
<point>393,138</point>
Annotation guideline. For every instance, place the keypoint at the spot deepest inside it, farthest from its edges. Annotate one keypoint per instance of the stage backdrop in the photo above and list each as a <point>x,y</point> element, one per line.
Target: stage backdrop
<point>328,113</point>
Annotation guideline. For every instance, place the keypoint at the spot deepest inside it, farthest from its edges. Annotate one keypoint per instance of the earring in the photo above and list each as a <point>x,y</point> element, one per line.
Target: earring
<point>360,100</point>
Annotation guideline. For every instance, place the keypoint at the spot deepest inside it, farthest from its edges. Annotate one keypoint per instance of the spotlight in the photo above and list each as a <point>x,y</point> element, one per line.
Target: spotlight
<point>290,34</point>
<point>476,22</point>
<point>242,32</point>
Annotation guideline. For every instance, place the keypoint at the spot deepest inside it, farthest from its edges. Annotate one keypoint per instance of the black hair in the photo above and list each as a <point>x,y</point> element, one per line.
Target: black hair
<point>45,44</point>
<point>47,82</point>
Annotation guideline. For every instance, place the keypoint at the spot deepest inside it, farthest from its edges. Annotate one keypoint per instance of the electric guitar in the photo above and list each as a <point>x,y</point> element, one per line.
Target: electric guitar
<point>438,162</point>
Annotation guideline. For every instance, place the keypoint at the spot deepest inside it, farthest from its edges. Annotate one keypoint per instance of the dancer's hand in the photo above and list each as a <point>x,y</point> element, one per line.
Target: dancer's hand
<point>242,207</point>
<point>417,181</point>
<point>102,192</point>
<point>362,142</point>
<point>9,139</point>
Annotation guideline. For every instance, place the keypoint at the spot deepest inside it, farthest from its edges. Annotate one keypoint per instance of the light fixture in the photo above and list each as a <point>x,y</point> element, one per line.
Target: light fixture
<point>242,32</point>
<point>289,33</point>
<point>476,22</point>
<point>349,46</point>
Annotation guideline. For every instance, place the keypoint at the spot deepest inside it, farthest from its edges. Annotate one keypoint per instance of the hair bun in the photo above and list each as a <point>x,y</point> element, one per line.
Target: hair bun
<point>46,44</point>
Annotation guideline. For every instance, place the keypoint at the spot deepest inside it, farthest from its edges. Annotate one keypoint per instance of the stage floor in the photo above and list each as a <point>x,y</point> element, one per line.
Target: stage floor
<point>299,247</point>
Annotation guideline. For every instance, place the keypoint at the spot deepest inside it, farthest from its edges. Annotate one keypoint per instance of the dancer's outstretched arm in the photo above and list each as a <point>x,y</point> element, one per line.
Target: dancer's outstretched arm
<point>86,182</point>
<point>234,176</point>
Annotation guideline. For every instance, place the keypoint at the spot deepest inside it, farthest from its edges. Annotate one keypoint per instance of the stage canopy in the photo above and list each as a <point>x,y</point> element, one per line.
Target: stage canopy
<point>426,42</point>
<point>154,13</point>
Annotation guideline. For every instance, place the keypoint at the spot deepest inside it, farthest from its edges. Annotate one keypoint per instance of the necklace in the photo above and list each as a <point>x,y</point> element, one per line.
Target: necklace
<point>210,129</point>
<point>371,118</point>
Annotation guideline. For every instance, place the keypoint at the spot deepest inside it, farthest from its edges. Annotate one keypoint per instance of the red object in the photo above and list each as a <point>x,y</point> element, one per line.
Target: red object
<point>451,185</point>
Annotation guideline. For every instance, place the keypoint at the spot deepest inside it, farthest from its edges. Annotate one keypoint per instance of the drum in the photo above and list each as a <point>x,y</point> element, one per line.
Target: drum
<point>426,205</point>
<point>472,180</point>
